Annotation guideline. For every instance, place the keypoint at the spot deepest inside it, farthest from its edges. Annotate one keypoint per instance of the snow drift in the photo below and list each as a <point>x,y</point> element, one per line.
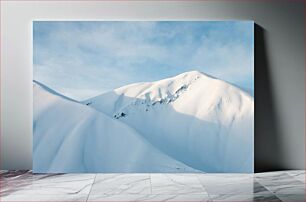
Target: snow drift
<point>72,137</point>
<point>201,121</point>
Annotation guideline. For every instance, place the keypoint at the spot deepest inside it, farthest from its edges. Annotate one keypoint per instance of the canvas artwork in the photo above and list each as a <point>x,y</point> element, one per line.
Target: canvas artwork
<point>143,96</point>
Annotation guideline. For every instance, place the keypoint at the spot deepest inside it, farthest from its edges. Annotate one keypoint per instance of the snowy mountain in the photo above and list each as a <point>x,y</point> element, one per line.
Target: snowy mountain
<point>204,122</point>
<point>72,137</point>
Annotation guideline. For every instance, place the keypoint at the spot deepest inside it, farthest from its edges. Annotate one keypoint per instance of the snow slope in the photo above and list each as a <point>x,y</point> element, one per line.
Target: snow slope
<point>72,137</point>
<point>202,121</point>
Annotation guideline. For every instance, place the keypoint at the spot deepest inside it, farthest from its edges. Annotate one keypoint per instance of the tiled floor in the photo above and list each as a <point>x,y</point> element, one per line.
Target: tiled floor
<point>272,186</point>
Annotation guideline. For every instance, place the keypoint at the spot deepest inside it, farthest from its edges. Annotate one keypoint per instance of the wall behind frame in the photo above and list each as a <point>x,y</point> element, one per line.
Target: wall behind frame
<point>279,67</point>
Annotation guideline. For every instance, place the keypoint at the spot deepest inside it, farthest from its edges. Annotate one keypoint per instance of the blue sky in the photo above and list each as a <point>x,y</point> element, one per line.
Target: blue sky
<point>84,59</point>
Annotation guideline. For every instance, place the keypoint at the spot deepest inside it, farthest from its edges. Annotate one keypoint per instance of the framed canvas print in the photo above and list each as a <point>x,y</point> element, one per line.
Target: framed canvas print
<point>143,96</point>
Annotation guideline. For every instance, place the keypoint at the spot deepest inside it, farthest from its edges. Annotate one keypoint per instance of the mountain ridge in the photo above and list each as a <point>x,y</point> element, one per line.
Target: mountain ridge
<point>194,73</point>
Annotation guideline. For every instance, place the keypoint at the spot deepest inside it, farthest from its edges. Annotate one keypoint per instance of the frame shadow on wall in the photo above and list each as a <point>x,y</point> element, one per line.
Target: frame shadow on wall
<point>268,152</point>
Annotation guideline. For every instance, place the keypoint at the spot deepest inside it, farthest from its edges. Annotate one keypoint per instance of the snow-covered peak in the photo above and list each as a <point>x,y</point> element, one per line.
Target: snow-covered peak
<point>191,75</point>
<point>145,95</point>
<point>157,90</point>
